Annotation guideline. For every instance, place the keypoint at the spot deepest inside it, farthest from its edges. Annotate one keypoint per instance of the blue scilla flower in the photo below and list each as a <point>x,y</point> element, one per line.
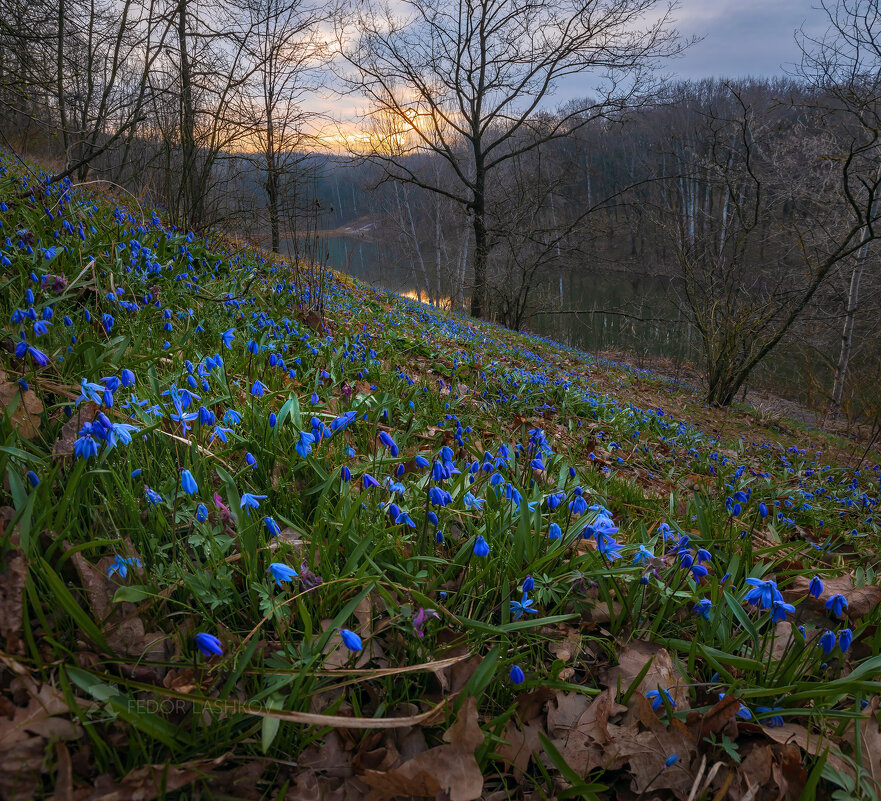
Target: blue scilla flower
<point>208,644</point>
<point>421,462</point>
<point>702,608</point>
<point>642,555</point>
<point>403,519</point>
<point>528,584</point>
<point>389,443</point>
<point>815,588</point>
<point>837,604</point>
<point>845,638</point>
<point>555,499</point>
<point>220,433</point>
<point>578,506</point>
<point>271,526</point>
<point>608,546</point>
<point>345,474</point>
<point>779,610</point>
<point>763,594</point>
<point>554,531</point>
<point>351,640</point>
<point>253,348</point>
<point>201,513</point>
<point>369,481</point>
<point>33,478</point>
<point>763,510</point>
<point>438,497</point>
<point>481,547</point>
<point>304,444</point>
<point>90,392</point>
<point>227,337</point>
<point>524,605</point>
<point>258,388</point>
<point>231,417</point>
<point>188,483</point>
<point>250,501</point>
<point>657,700</point>
<point>471,502</point>
<point>127,378</point>
<point>121,564</point>
<point>516,675</point>
<point>827,642</point>
<point>281,572</point>
<point>153,497</point>
<point>252,462</point>
<point>85,446</point>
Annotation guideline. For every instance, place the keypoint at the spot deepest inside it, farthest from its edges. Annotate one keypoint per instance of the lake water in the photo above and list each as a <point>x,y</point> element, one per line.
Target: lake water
<point>618,310</point>
<point>635,313</point>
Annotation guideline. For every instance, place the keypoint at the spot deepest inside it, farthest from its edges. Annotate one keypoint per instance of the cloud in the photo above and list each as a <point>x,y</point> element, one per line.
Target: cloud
<point>743,37</point>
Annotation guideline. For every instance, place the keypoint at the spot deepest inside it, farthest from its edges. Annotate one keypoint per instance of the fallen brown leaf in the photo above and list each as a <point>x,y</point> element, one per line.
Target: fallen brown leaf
<point>450,768</point>
<point>25,417</point>
<point>147,782</point>
<point>70,430</point>
<point>12,584</point>
<point>662,672</point>
<point>522,743</point>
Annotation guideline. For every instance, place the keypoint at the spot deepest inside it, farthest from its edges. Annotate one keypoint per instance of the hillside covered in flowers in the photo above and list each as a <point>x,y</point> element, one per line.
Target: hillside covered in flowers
<point>268,533</point>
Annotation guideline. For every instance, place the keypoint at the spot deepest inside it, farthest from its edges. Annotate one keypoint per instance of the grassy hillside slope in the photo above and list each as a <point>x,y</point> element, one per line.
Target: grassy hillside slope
<point>254,551</point>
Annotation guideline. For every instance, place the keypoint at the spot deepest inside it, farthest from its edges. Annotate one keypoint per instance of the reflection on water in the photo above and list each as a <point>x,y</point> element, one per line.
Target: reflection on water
<point>416,294</point>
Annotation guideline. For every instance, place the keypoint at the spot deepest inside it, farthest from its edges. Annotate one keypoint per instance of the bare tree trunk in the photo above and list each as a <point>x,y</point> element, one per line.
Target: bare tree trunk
<point>402,229</point>
<point>189,182</point>
<point>463,263</point>
<point>853,295</point>
<point>62,104</point>
<point>416,247</point>
<point>481,245</point>
<point>272,184</point>
<point>437,252</point>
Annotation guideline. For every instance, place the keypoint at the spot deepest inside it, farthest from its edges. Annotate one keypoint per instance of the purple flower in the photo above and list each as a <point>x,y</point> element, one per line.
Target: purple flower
<point>421,618</point>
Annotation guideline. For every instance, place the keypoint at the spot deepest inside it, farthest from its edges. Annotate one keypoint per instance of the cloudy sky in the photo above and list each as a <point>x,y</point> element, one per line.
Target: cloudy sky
<point>743,37</point>
<point>738,38</point>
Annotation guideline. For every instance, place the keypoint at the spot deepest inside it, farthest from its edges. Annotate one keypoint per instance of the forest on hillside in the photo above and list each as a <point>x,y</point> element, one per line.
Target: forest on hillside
<point>475,182</point>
